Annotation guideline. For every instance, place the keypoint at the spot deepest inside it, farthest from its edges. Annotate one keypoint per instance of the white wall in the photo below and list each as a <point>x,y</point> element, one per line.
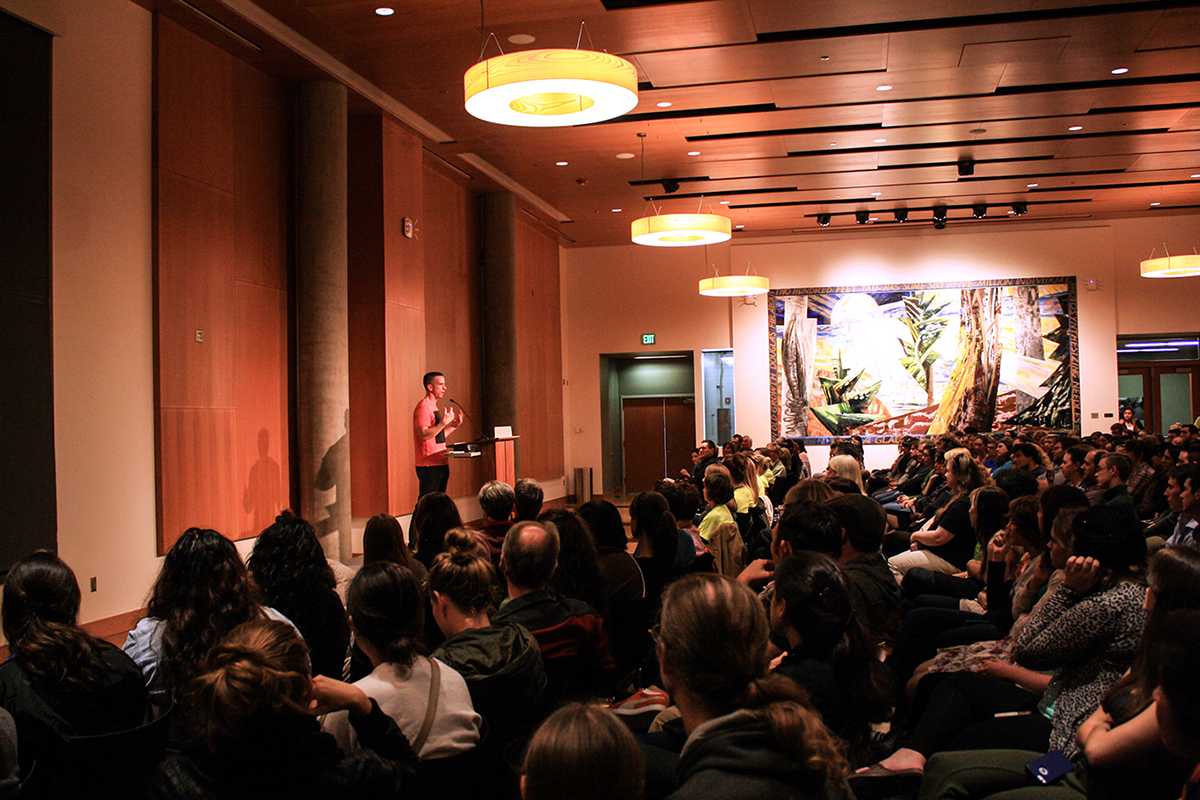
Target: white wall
<point>613,294</point>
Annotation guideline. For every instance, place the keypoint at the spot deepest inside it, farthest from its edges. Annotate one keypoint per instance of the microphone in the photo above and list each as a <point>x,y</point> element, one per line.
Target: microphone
<point>466,416</point>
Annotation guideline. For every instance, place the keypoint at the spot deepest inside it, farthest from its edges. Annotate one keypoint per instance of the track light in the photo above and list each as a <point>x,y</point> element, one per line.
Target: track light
<point>939,217</point>
<point>979,210</point>
<point>861,217</point>
<point>901,214</point>
<point>966,166</point>
<point>823,220</point>
<point>1020,208</point>
<point>670,187</point>
<point>939,223</point>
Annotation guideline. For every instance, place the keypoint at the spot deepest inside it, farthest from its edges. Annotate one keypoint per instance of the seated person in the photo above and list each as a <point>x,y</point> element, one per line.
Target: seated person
<point>585,753</point>
<point>570,633</point>
<point>497,499</point>
<point>529,496</point>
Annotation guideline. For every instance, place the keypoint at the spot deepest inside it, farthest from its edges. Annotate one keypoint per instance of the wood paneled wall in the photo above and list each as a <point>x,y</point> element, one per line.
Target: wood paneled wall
<point>539,352</point>
<point>222,182</point>
<point>449,236</point>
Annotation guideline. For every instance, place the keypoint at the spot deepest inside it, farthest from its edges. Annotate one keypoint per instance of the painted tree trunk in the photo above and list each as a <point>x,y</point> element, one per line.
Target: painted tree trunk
<point>969,400</point>
<point>1029,342</point>
<point>795,373</point>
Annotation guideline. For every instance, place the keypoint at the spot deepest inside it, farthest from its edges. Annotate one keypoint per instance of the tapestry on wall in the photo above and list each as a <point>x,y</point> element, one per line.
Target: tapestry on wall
<point>914,359</point>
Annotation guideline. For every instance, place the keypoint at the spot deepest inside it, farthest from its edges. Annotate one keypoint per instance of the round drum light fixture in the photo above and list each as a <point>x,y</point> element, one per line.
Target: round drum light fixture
<point>734,286</point>
<point>550,88</point>
<point>1169,266</point>
<point>681,230</point>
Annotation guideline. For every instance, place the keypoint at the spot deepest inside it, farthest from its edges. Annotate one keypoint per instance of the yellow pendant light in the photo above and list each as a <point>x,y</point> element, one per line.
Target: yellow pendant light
<point>550,88</point>
<point>734,286</point>
<point>681,230</point>
<point>1169,266</point>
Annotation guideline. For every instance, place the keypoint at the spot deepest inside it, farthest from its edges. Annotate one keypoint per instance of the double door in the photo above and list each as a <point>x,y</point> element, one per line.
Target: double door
<point>1160,394</point>
<point>657,437</point>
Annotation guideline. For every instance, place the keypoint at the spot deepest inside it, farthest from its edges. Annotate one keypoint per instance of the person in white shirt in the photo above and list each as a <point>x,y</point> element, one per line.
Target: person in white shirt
<point>428,699</point>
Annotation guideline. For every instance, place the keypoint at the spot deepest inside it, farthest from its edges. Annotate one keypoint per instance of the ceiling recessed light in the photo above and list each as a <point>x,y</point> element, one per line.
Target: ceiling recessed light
<point>724,202</point>
<point>1075,128</point>
<point>1031,186</point>
<point>872,219</point>
<point>824,58</point>
<point>561,163</point>
<point>693,153</point>
<point>384,11</point>
<point>1156,204</point>
<point>738,227</point>
<point>625,156</point>
<point>881,140</point>
<point>883,87</point>
<point>522,38</point>
<point>615,210</point>
<point>664,104</point>
<point>1194,175</point>
<point>833,144</point>
<point>1120,70</point>
<point>876,194</point>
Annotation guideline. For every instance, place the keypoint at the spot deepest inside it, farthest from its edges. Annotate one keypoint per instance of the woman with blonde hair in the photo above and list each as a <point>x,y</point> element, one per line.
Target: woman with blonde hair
<point>947,541</point>
<point>845,466</point>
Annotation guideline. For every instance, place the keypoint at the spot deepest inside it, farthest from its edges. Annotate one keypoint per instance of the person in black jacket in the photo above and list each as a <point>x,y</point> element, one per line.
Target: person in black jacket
<point>501,663</point>
<point>255,734</point>
<point>60,682</point>
<point>289,568</point>
<point>749,735</point>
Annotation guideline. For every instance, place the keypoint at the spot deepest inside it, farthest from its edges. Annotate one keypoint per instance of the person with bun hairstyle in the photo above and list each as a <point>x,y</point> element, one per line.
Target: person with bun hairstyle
<point>501,663</point>
<point>585,753</point>
<point>255,733</point>
<point>387,616</point>
<point>59,681</point>
<point>750,735</point>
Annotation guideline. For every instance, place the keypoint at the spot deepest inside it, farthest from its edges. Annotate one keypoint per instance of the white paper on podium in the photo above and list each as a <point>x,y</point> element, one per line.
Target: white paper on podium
<point>503,431</point>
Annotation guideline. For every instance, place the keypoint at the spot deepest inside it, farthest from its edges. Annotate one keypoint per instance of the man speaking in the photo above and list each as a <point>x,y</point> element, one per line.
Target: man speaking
<point>431,426</point>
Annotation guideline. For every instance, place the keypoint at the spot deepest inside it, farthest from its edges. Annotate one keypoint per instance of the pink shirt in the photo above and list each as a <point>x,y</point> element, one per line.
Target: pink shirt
<point>429,452</point>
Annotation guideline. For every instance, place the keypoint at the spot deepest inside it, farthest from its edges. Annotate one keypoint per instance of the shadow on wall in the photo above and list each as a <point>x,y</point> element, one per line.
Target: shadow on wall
<point>333,475</point>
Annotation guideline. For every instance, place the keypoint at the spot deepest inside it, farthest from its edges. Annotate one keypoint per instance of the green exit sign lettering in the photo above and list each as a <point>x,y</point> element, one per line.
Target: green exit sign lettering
<point>647,338</point>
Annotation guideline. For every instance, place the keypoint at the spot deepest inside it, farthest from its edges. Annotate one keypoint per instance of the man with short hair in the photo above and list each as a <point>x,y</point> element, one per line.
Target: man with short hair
<point>569,632</point>
<point>708,455</point>
<point>801,526</point>
<point>873,591</point>
<point>529,496</point>
<point>431,428</point>
<point>1183,496</point>
<point>1111,475</point>
<point>1073,465</point>
<point>496,499</point>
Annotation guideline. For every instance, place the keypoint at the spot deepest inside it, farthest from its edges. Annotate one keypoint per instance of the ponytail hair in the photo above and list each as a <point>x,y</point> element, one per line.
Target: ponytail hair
<point>463,572</point>
<point>652,519</point>
<point>41,605</point>
<point>387,608</point>
<point>258,676</point>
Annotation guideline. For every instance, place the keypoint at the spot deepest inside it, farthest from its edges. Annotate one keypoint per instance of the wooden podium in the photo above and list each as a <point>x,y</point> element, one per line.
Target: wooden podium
<point>499,456</point>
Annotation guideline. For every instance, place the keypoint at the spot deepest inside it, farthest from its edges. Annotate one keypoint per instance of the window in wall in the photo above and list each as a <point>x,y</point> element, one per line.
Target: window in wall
<point>719,420</point>
<point>1159,378</point>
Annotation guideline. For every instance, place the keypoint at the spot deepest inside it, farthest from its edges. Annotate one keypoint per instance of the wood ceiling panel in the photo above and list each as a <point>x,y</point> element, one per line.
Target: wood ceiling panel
<point>785,166</point>
<point>1017,150</point>
<point>1183,160</point>
<point>1090,36</point>
<point>1179,27</point>
<point>761,61</point>
<point>1188,122</point>
<point>785,119</point>
<point>1079,70</point>
<point>981,109</point>
<point>906,84</point>
<point>779,15</point>
<point>686,98</point>
<point>1154,94</point>
<point>1113,145</point>
<point>1025,50</point>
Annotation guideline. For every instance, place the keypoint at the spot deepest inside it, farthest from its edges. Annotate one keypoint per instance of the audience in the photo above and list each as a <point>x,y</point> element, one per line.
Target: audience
<point>59,682</point>
<point>289,568</point>
<point>428,699</point>
<point>435,514</point>
<point>1014,619</point>
<point>569,632</point>
<point>528,493</point>
<point>256,736</point>
<point>749,735</point>
<point>202,592</point>
<point>585,753</point>
<point>501,663</point>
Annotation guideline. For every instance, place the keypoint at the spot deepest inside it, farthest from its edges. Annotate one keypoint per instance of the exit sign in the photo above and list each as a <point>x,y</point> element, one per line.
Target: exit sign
<point>647,338</point>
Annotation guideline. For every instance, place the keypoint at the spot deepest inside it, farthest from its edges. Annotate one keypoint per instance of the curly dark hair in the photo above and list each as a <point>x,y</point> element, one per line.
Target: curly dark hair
<point>435,514</point>
<point>202,592</point>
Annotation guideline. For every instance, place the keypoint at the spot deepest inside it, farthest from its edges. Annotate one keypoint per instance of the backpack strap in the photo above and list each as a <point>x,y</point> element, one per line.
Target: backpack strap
<point>435,691</point>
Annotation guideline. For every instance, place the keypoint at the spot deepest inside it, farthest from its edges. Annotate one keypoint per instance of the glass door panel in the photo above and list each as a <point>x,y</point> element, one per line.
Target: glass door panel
<point>1132,390</point>
<point>1175,396</point>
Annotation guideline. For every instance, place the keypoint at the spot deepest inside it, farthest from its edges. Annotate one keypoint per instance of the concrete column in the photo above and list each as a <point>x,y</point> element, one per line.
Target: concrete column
<point>498,245</point>
<point>322,330</point>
